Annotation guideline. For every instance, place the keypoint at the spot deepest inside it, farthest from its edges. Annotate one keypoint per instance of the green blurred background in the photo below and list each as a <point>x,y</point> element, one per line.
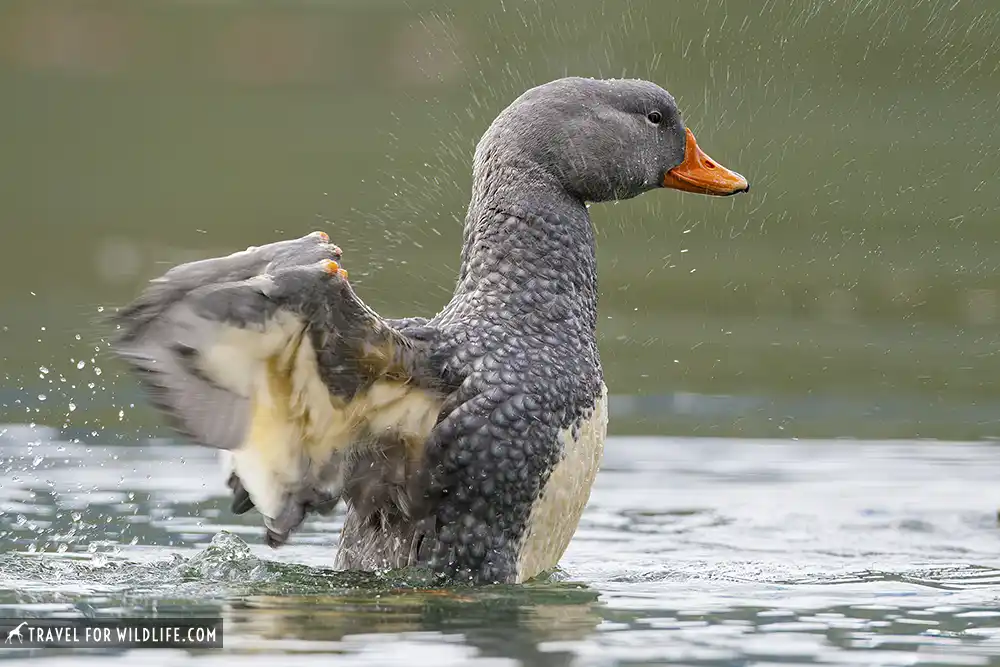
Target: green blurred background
<point>853,292</point>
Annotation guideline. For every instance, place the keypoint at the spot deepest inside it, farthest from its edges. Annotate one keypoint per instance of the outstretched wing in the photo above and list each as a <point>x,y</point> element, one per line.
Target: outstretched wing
<point>175,328</point>
<point>271,355</point>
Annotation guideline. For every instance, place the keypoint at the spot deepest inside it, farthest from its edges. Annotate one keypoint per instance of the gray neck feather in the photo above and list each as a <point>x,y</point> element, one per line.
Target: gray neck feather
<point>529,253</point>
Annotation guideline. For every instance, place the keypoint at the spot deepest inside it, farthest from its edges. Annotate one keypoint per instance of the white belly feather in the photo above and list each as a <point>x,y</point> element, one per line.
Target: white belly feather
<point>556,513</point>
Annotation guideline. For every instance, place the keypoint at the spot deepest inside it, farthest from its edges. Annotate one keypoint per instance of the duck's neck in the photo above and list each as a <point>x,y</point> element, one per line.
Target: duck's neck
<point>529,252</point>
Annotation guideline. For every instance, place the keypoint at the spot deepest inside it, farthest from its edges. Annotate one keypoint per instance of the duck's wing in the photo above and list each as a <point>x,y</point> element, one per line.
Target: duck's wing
<point>261,353</point>
<point>168,331</point>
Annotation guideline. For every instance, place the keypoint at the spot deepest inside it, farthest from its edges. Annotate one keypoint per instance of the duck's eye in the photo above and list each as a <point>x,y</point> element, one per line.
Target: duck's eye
<point>654,117</point>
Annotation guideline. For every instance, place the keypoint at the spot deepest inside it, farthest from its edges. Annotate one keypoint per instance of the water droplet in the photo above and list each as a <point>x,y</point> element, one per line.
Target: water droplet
<point>72,407</point>
<point>42,397</point>
<point>81,364</point>
<point>97,371</point>
<point>43,370</point>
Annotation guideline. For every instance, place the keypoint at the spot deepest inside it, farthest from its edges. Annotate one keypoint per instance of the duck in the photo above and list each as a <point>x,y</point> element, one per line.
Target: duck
<point>465,442</point>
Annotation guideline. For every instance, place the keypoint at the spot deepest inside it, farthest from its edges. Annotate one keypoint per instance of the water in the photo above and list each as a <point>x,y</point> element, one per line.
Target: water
<point>691,551</point>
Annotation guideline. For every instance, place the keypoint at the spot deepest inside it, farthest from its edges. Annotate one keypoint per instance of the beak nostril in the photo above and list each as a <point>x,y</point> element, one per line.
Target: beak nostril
<point>709,165</point>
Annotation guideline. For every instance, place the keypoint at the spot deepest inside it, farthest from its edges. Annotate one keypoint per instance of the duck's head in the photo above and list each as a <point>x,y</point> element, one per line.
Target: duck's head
<point>601,140</point>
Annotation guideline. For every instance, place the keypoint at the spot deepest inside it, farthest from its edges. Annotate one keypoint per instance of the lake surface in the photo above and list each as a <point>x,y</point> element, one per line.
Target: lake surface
<point>862,265</point>
<point>691,552</point>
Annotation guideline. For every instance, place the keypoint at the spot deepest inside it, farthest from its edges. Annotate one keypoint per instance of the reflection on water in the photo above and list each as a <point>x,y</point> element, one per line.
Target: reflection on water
<point>701,552</point>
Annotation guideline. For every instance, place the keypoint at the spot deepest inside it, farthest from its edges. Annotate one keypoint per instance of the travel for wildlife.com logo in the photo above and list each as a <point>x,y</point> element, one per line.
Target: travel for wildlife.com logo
<point>189,633</point>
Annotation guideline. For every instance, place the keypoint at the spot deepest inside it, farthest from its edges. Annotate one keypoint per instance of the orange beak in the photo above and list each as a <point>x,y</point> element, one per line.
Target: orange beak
<point>700,173</point>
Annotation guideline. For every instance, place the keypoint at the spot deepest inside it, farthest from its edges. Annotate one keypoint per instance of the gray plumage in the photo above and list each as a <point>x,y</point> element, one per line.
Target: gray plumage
<point>509,367</point>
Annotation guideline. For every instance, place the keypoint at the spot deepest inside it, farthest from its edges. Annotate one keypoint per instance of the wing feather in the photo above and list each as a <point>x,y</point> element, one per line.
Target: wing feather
<point>247,353</point>
<point>197,367</point>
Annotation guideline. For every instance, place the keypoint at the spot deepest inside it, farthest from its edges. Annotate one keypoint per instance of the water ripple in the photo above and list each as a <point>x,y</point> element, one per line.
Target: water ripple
<point>701,552</point>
